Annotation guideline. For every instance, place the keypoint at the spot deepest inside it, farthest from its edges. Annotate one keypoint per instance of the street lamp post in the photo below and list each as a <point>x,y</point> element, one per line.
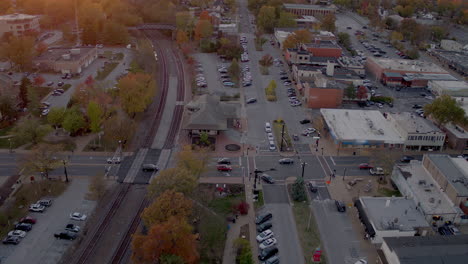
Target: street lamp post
<point>256,171</point>
<point>303,164</point>
<point>322,151</point>
<point>65,170</point>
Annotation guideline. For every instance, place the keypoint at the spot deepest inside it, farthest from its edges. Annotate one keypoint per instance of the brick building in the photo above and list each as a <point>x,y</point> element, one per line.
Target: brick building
<point>324,48</point>
<point>378,66</point>
<point>322,92</point>
<point>18,24</point>
<point>66,60</point>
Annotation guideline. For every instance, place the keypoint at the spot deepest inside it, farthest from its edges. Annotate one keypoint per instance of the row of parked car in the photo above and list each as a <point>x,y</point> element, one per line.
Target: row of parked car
<point>266,239</point>
<point>271,138</point>
<point>245,54</point>
<point>200,77</point>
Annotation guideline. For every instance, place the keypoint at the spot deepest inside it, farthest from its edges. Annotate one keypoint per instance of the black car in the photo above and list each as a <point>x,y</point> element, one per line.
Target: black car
<point>416,106</point>
<point>264,227</point>
<point>312,186</point>
<point>224,161</point>
<point>267,179</point>
<point>65,235</point>
<point>340,206</point>
<point>23,227</point>
<point>284,77</point>
<point>444,231</point>
<point>251,101</point>
<point>267,253</point>
<point>304,121</point>
<point>263,218</point>
<point>286,161</point>
<point>406,159</point>
<point>14,240</point>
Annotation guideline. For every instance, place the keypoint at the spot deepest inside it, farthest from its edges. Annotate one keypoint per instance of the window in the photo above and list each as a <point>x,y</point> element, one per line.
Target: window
<point>419,137</point>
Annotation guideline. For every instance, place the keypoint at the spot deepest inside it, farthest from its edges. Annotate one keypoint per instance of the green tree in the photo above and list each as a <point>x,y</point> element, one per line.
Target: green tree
<point>34,102</point>
<point>203,29</point>
<point>56,116</point>
<point>171,259</point>
<point>266,18</point>
<point>73,120</point>
<point>413,53</point>
<point>438,33</point>
<point>91,16</point>
<point>29,130</point>
<point>234,69</point>
<point>350,91</point>
<point>286,20</point>
<point>118,128</point>
<point>265,62</point>
<point>298,190</point>
<point>396,36</point>
<point>298,37</point>
<point>390,23</point>
<point>204,138</point>
<point>445,109</point>
<point>176,179</point>
<point>7,108</point>
<point>23,92</point>
<point>94,113</point>
<point>405,11</point>
<point>328,23</point>
<point>344,39</point>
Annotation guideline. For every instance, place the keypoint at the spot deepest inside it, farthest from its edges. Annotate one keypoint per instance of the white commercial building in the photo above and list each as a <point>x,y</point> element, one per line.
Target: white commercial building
<point>390,217</point>
<point>361,129</point>
<point>452,88</point>
<point>415,182</point>
<point>418,133</point>
<point>18,24</point>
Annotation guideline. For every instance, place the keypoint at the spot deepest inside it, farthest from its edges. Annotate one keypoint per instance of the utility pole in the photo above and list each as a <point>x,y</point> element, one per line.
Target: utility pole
<point>65,170</point>
<point>303,167</point>
<point>256,171</point>
<point>282,138</point>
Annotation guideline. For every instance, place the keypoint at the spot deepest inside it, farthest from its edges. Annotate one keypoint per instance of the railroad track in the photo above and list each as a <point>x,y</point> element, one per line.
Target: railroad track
<point>119,255</point>
<point>84,256</point>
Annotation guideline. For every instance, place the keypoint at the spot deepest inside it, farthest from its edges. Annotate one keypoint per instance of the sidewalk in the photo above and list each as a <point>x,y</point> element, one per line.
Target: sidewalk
<point>229,256</point>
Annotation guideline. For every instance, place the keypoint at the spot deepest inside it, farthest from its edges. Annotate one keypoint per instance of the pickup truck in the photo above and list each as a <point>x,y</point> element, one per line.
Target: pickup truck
<point>376,171</point>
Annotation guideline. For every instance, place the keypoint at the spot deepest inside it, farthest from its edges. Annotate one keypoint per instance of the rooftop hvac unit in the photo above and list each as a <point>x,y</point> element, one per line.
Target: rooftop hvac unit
<point>75,51</point>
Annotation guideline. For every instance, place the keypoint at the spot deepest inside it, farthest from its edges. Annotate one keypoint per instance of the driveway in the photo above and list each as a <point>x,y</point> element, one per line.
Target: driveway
<point>39,245</point>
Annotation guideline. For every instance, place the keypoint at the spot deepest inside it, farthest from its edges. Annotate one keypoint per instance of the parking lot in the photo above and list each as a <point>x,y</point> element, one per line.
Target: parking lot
<point>39,245</point>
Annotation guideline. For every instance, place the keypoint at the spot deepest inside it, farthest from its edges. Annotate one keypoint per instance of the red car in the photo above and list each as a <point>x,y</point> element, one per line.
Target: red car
<point>365,166</point>
<point>28,220</point>
<point>224,167</point>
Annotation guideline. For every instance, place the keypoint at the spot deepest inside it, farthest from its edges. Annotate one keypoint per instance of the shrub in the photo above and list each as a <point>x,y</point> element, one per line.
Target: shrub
<point>242,208</point>
<point>298,190</point>
<point>271,98</point>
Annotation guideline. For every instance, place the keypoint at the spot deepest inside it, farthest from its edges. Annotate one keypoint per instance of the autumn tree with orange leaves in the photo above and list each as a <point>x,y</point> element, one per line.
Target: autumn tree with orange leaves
<point>136,91</point>
<point>173,237</point>
<point>168,204</point>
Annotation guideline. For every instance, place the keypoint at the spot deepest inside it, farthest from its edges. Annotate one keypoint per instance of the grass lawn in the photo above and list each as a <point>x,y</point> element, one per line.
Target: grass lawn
<point>28,193</point>
<point>277,129</point>
<point>108,68</point>
<point>43,91</point>
<point>66,86</point>
<point>309,237</point>
<point>260,202</point>
<point>211,212</point>
<point>389,192</point>
<point>119,56</point>
<point>4,143</point>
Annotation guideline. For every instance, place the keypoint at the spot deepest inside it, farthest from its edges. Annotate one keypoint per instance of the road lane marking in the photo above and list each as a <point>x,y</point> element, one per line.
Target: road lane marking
<point>333,161</point>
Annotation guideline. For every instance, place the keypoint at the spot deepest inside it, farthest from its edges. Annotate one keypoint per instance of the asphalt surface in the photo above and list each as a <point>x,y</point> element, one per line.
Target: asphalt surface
<point>39,245</point>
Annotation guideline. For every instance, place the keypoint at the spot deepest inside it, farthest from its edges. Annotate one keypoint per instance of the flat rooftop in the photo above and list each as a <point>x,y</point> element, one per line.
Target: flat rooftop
<point>310,7</point>
<point>308,19</point>
<point>425,189</point>
<point>14,17</point>
<point>57,53</point>
<point>458,131</point>
<point>414,123</point>
<point>361,126</point>
<point>429,249</point>
<point>322,44</point>
<point>407,65</point>
<point>454,169</point>
<point>429,76</point>
<point>393,213</point>
<point>456,57</point>
<point>451,85</point>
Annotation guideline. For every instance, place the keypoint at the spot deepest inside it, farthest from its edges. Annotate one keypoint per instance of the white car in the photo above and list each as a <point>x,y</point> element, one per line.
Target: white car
<point>267,127</point>
<point>45,112</point>
<point>311,129</point>
<point>115,160</point>
<point>272,145</point>
<point>72,228</point>
<point>77,216</point>
<point>270,136</point>
<point>17,233</point>
<point>268,243</point>
<point>36,208</point>
<point>264,235</point>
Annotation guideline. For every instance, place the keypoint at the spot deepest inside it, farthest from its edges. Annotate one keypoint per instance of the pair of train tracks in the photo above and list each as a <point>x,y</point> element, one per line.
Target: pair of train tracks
<point>120,254</point>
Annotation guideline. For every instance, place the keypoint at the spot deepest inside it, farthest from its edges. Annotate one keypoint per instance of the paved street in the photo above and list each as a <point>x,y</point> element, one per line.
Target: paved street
<point>339,239</point>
